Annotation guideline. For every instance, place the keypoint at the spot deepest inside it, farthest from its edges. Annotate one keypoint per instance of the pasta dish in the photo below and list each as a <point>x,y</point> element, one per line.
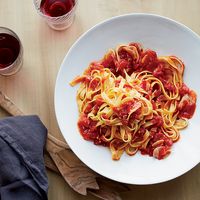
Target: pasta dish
<point>133,100</point>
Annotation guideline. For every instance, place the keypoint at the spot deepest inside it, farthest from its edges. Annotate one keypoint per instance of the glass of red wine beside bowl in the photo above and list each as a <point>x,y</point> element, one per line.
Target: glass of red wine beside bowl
<point>59,14</point>
<point>11,52</point>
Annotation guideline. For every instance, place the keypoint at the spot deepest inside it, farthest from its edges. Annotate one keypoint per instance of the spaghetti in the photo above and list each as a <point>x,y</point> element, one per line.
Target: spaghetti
<point>132,100</point>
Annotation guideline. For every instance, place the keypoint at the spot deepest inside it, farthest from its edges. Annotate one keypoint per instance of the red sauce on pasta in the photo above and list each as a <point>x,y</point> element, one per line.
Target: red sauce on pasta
<point>133,100</point>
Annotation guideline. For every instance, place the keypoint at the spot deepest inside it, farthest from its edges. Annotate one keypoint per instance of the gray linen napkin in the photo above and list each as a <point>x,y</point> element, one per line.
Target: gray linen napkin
<point>22,170</point>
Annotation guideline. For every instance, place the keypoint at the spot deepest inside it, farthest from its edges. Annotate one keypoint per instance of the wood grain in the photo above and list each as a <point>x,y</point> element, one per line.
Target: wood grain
<point>32,89</point>
<point>76,174</point>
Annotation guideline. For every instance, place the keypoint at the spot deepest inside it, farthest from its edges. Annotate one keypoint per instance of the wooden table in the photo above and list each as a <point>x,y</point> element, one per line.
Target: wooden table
<point>32,89</point>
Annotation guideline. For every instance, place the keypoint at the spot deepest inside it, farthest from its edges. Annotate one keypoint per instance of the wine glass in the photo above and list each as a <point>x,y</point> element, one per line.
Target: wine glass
<point>48,9</point>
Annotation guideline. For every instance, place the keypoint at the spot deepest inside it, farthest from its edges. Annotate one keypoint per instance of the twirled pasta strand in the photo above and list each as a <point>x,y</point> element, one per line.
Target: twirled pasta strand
<point>132,100</point>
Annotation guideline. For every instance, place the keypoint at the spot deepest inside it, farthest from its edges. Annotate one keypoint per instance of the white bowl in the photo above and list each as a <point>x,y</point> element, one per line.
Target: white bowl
<point>166,37</point>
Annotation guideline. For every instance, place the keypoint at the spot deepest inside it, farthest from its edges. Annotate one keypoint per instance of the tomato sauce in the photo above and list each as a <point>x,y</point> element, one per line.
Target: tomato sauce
<point>94,66</point>
<point>149,60</point>
<point>163,147</point>
<point>89,131</point>
<point>158,143</point>
<point>94,83</point>
<point>187,110</point>
<point>123,111</point>
<point>187,104</point>
<point>109,62</point>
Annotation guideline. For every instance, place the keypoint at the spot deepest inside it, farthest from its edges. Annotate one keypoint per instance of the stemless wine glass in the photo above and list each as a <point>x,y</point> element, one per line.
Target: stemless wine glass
<point>11,52</point>
<point>60,22</point>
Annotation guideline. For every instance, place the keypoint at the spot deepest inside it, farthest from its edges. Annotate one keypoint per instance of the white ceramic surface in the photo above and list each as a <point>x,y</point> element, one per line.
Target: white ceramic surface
<point>166,37</point>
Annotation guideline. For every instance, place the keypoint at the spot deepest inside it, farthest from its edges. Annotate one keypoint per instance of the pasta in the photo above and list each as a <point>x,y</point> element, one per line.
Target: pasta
<point>132,100</point>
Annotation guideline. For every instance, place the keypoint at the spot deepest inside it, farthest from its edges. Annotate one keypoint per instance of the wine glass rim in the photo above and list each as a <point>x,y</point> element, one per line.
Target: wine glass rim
<point>37,7</point>
<point>7,29</point>
<point>14,34</point>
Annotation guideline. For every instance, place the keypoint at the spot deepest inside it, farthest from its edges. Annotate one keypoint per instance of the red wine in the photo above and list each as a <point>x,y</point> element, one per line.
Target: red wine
<point>55,8</point>
<point>9,49</point>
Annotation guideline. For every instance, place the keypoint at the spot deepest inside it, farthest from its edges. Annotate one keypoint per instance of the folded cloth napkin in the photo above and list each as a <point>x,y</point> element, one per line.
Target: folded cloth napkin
<point>22,170</point>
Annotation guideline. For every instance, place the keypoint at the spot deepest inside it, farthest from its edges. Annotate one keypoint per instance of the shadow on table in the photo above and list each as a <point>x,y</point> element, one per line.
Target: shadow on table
<point>184,187</point>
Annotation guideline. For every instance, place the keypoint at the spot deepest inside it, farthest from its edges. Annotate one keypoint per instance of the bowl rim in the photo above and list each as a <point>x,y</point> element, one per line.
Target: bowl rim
<point>167,19</point>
